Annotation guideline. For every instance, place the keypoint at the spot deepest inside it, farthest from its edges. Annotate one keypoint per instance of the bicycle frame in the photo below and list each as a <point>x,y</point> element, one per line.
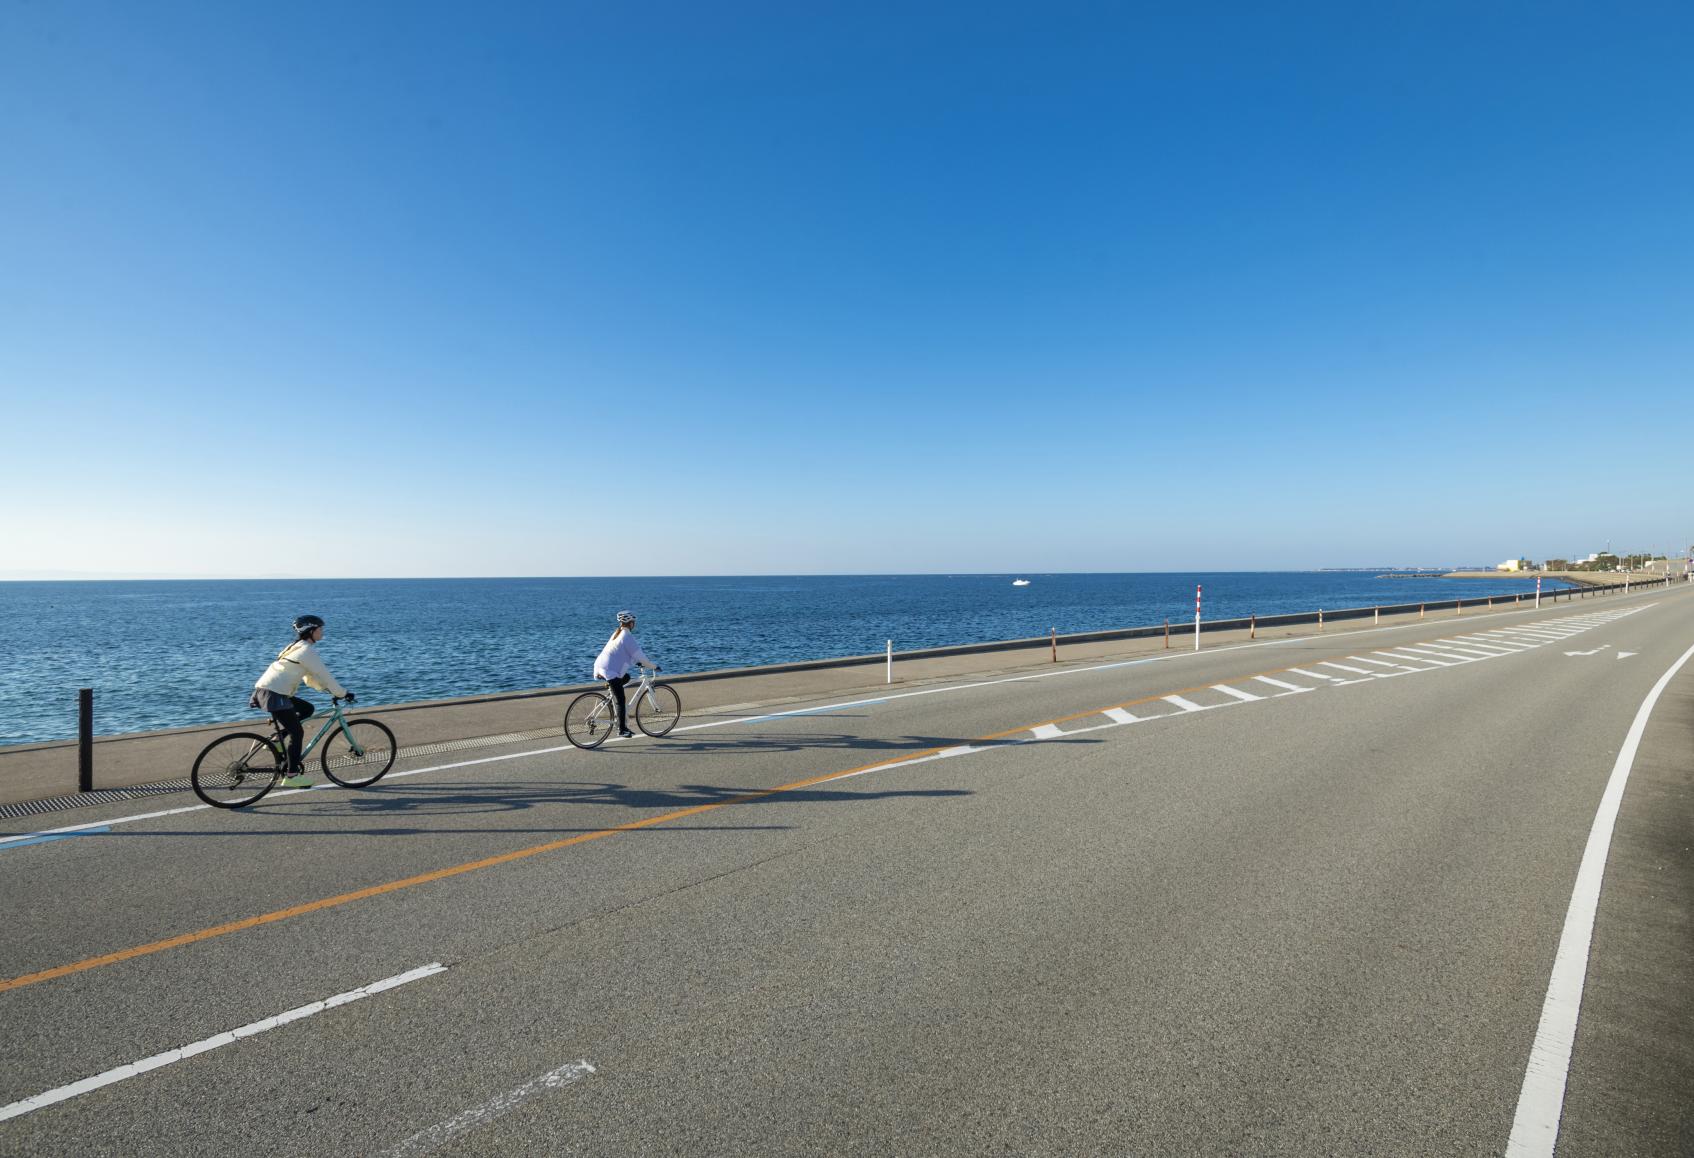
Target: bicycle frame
<point>334,720</point>
<point>643,687</point>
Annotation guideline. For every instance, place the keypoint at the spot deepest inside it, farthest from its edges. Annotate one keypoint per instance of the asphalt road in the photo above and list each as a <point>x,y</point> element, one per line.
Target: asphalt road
<point>1309,906</point>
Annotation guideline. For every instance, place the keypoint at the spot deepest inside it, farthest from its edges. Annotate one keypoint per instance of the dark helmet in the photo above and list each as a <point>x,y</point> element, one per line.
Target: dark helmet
<point>626,619</point>
<point>306,623</point>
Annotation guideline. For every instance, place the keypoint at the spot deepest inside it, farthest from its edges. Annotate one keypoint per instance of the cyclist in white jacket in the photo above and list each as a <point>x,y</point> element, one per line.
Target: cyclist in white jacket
<point>274,693</point>
<point>621,652</point>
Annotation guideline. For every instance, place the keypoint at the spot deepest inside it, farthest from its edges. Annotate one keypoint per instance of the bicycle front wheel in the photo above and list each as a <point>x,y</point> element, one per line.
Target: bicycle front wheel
<point>234,771</point>
<point>657,712</point>
<point>589,719</point>
<point>359,754</point>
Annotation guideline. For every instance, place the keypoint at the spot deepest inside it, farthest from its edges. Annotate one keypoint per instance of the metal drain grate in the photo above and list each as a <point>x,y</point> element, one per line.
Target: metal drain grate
<point>181,784</point>
<point>82,799</point>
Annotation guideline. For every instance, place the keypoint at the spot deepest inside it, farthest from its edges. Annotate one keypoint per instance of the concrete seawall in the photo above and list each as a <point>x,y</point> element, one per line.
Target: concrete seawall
<point>428,730</point>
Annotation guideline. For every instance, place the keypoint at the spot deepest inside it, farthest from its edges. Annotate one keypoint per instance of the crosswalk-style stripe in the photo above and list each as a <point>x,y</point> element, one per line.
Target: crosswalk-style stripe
<point>1279,684</point>
<point>1399,668</point>
<point>1314,675</point>
<point>1503,644</point>
<point>1185,705</point>
<point>1418,659</point>
<point>1120,716</point>
<point>1469,649</point>
<point>1344,667</point>
<point>1429,653</point>
<point>1236,692</point>
<point>1046,731</point>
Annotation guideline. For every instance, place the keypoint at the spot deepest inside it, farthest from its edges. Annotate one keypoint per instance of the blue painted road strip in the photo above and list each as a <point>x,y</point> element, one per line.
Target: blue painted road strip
<point>54,836</point>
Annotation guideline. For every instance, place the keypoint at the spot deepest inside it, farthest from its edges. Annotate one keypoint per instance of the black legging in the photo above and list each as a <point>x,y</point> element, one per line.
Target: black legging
<point>288,719</point>
<point>616,687</point>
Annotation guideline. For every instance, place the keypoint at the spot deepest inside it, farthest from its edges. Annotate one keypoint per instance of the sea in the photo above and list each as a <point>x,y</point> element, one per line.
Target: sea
<point>173,653</point>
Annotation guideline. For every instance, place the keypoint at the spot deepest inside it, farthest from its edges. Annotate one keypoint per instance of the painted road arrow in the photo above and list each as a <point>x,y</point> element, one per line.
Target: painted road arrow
<point>1622,654</point>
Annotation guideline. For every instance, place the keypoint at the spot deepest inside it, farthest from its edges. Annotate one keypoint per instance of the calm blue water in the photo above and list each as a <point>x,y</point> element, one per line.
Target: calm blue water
<point>163,654</point>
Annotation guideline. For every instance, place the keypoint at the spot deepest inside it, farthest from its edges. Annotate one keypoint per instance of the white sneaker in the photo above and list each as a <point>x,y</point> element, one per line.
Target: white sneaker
<point>300,781</point>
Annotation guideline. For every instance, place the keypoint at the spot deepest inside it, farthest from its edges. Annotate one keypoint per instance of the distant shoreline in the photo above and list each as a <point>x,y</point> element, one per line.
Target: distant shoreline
<point>1580,578</point>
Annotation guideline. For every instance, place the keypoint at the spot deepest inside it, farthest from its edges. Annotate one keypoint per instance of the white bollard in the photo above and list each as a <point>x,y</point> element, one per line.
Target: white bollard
<point>891,661</point>
<point>1196,617</point>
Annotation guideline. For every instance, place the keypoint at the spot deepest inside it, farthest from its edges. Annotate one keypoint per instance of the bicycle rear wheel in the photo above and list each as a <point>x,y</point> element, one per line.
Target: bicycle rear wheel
<point>367,765</point>
<point>657,711</point>
<point>234,771</point>
<point>590,718</point>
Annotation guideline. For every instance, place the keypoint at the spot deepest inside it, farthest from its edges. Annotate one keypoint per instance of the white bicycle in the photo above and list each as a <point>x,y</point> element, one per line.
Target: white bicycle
<point>593,716</point>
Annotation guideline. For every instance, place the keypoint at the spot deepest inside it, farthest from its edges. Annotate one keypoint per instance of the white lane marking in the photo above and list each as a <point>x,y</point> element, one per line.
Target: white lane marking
<point>1469,649</point>
<point>1399,668</point>
<point>1535,1127</point>
<point>1185,705</point>
<point>1540,636</point>
<point>1345,667</point>
<point>159,1060</point>
<point>1046,731</point>
<point>1627,654</point>
<point>425,1141</point>
<point>1434,652</point>
<point>1120,716</point>
<point>1316,675</point>
<point>1292,688</point>
<point>1068,671</point>
<point>1236,692</point>
<point>957,750</point>
<point>1498,644</point>
<point>1418,659</point>
<point>1592,650</point>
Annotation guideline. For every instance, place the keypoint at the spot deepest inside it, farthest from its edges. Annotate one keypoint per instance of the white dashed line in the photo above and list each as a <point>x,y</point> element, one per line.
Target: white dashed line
<point>1185,705</point>
<point>1292,688</point>
<point>169,1057</point>
<point>426,1141</point>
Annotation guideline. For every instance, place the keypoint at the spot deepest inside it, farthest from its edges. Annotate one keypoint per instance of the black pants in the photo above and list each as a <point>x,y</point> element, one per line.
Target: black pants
<point>616,687</point>
<point>288,719</point>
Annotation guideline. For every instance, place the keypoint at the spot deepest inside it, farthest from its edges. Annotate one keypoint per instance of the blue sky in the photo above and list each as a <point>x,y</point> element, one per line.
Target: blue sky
<point>420,289</point>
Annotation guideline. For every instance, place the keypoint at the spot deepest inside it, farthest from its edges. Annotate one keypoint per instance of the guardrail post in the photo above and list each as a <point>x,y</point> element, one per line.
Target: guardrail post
<point>1376,617</point>
<point>1253,626</point>
<point>1420,611</point>
<point>1053,634</point>
<point>85,740</point>
<point>1320,619</point>
<point>891,661</point>
<point>1167,633</point>
<point>1458,607</point>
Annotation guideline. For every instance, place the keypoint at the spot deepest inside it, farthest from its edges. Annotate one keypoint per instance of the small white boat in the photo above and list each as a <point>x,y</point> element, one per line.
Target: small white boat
<point>1020,582</point>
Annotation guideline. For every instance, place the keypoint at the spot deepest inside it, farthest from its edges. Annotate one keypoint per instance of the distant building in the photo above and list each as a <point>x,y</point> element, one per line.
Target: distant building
<point>1513,565</point>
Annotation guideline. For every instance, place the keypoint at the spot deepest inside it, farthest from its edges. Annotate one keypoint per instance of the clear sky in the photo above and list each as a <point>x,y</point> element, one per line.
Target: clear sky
<point>454,289</point>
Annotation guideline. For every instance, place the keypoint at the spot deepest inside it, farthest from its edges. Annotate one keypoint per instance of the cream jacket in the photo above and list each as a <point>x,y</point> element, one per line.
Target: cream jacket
<point>299,661</point>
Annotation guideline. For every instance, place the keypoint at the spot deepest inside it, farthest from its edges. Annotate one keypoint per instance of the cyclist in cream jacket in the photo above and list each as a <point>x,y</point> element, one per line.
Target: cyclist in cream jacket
<point>621,652</point>
<point>274,693</point>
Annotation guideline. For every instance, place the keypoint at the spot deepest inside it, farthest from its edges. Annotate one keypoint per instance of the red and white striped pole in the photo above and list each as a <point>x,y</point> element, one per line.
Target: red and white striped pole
<point>1196,617</point>
<point>1538,593</point>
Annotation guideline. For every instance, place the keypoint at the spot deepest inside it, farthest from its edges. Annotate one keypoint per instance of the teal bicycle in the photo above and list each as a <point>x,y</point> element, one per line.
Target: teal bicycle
<point>236,770</point>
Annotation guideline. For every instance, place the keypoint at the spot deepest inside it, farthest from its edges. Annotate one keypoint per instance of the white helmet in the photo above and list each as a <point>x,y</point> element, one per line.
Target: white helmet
<point>626,619</point>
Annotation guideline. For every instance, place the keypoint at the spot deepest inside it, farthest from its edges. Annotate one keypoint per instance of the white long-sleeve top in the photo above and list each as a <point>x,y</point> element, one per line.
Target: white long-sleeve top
<point>299,661</point>
<point>621,652</point>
